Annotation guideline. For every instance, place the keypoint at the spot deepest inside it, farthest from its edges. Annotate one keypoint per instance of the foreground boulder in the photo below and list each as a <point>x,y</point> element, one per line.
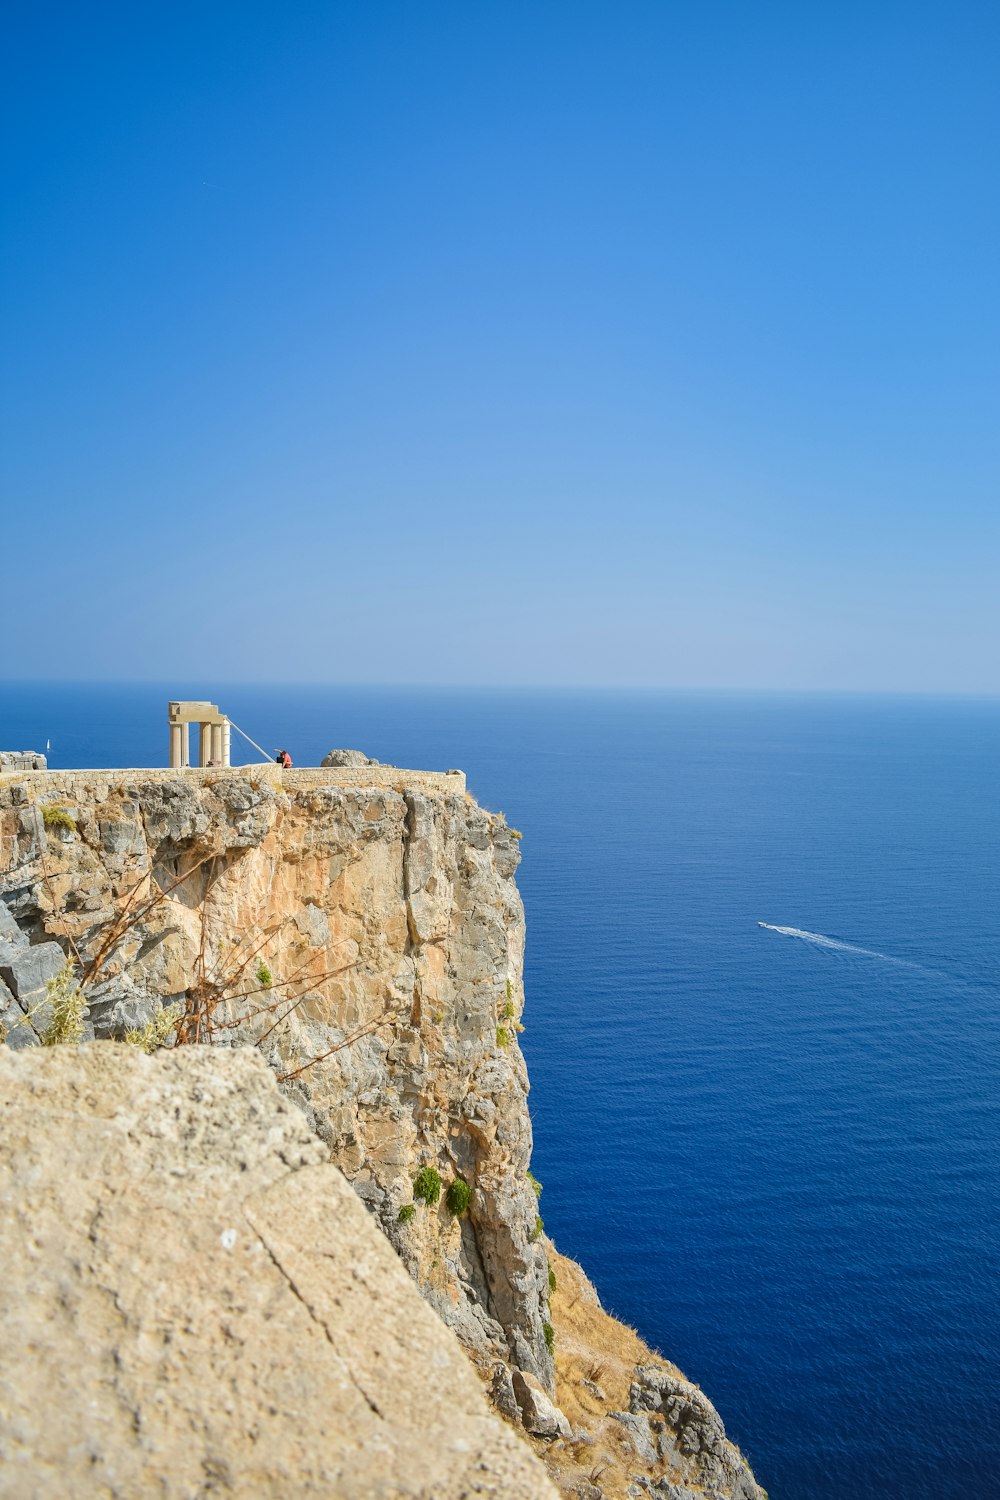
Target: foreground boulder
<point>197,1303</point>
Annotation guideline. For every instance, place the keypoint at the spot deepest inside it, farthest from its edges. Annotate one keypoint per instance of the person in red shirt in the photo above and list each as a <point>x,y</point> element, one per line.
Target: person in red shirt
<point>284,760</point>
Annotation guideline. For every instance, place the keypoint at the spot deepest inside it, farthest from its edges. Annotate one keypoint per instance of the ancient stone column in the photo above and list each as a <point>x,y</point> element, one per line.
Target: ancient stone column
<point>204,744</point>
<point>217,745</point>
<point>185,744</point>
<point>226,743</point>
<point>175,746</point>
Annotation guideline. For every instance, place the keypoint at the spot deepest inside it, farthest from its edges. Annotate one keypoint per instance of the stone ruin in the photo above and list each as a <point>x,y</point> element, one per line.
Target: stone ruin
<point>22,760</point>
<point>213,733</point>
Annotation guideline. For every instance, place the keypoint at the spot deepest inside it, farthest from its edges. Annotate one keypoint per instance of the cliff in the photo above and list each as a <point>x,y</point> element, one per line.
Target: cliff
<point>361,926</point>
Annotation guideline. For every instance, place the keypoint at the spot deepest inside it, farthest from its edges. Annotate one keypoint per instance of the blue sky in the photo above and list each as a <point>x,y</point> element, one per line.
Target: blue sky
<point>503,343</point>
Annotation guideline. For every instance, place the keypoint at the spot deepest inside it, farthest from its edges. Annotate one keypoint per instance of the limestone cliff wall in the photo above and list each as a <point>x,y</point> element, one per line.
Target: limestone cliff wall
<point>395,897</point>
<point>361,927</point>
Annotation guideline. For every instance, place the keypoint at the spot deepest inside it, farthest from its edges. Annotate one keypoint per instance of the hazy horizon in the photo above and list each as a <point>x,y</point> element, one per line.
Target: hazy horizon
<point>191,684</point>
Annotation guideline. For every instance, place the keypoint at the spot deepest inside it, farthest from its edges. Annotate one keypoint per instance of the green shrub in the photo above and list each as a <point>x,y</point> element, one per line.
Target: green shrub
<point>407,1212</point>
<point>550,1336</point>
<point>458,1197</point>
<point>503,1037</point>
<point>508,1011</point>
<point>535,1184</point>
<point>427,1185</point>
<point>516,833</point>
<point>539,1227</point>
<point>58,817</point>
<point>264,976</point>
<point>552,1280</point>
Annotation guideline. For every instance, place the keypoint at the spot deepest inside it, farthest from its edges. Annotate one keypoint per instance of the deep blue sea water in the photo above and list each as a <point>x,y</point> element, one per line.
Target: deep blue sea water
<point>776,1155</point>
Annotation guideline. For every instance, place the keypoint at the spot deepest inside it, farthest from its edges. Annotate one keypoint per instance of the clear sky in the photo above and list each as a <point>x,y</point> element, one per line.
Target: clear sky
<point>508,342</point>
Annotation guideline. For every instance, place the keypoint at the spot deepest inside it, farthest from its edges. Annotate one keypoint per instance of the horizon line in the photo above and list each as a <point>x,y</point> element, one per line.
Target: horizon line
<point>505,687</point>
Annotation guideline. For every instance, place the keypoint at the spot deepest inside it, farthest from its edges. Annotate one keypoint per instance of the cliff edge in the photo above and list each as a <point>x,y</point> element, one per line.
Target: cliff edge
<point>361,927</point>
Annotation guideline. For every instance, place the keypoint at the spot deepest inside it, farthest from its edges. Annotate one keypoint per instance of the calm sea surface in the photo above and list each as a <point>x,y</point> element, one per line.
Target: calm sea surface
<point>775,1150</point>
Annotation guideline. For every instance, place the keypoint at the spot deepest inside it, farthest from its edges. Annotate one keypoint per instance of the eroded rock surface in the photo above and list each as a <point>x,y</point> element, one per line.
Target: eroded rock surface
<point>392,913</point>
<point>195,1303</point>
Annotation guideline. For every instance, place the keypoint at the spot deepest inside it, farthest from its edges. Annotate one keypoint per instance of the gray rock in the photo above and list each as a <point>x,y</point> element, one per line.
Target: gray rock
<point>637,1427</point>
<point>502,1392</point>
<point>17,1030</point>
<point>9,930</point>
<point>22,760</point>
<point>26,971</point>
<point>698,1435</point>
<point>539,1413</point>
<point>348,758</point>
<point>312,922</point>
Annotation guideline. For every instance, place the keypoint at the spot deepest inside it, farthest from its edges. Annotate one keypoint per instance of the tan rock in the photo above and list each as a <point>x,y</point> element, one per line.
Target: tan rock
<point>196,1303</point>
<point>378,892</point>
<point>539,1414</point>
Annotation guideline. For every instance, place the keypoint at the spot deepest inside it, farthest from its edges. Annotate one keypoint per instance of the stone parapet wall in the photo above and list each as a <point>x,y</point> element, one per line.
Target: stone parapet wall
<point>77,782</point>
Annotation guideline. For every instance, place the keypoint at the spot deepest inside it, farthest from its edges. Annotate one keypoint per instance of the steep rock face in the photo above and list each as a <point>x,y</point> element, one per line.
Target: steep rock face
<point>391,911</point>
<point>196,1304</point>
<point>362,927</point>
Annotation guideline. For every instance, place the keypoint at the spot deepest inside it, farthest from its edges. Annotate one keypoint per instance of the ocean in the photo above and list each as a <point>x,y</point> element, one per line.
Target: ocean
<point>773,1148</point>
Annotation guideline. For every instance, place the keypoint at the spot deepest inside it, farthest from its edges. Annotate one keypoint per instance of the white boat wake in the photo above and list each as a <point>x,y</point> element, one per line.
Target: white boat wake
<point>822,941</point>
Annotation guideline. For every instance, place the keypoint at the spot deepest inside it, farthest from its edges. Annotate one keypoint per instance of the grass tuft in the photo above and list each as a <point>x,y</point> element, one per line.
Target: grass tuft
<point>54,816</point>
<point>157,1030</point>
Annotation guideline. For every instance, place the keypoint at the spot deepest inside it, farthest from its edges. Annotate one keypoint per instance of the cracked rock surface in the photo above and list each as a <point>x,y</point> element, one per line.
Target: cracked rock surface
<point>197,1304</point>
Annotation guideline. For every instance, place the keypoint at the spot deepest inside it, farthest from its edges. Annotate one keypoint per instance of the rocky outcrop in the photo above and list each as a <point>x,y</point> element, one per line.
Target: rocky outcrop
<point>26,971</point>
<point>347,758</point>
<point>675,1418</point>
<point>195,1303</point>
<point>390,915</point>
